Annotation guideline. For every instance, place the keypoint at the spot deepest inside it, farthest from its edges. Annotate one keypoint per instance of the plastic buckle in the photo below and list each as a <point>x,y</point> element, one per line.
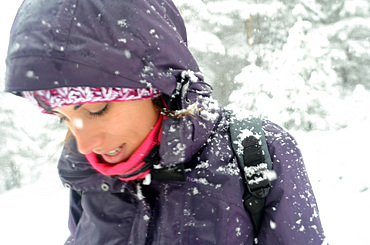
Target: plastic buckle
<point>259,189</point>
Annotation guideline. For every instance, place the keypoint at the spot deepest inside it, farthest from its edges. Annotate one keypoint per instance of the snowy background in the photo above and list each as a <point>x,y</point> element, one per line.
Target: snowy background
<point>302,64</point>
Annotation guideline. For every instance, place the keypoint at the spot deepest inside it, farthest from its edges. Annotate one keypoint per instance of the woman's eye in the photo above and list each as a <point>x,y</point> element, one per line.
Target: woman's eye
<point>62,119</point>
<point>101,112</point>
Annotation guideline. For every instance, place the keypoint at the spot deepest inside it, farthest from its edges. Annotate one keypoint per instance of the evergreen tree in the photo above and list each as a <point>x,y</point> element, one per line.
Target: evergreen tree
<point>25,145</point>
<point>10,174</point>
<point>312,51</point>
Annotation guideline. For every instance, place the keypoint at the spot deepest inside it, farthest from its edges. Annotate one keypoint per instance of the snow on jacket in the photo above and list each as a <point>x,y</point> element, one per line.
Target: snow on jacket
<point>138,44</point>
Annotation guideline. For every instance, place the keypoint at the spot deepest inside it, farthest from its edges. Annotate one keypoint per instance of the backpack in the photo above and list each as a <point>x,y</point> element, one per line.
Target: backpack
<point>250,146</point>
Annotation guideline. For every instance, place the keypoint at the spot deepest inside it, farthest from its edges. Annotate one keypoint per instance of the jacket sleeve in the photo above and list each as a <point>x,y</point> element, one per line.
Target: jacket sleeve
<point>70,165</point>
<point>291,213</point>
<point>75,210</point>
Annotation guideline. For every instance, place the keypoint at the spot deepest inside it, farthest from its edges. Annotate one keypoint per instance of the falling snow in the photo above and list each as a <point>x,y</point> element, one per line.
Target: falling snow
<point>329,171</point>
<point>122,23</point>
<point>272,225</point>
<point>32,75</point>
<point>127,53</point>
<point>122,40</point>
<point>78,123</point>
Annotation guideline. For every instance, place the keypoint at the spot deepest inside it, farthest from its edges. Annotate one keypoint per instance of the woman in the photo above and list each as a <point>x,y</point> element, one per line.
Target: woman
<point>149,158</point>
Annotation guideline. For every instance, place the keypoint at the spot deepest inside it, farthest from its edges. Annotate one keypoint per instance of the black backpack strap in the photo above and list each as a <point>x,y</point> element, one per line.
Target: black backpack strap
<point>250,146</point>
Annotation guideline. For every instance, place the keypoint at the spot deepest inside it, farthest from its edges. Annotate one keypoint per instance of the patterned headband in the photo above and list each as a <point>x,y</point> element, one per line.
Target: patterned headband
<point>58,97</point>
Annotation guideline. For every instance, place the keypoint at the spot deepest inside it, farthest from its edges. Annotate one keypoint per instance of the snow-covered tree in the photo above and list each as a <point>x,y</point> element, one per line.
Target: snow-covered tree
<point>10,173</point>
<point>313,52</point>
<point>28,141</point>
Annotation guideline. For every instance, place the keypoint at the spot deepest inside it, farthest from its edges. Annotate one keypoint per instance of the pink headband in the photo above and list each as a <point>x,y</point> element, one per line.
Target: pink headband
<point>59,97</point>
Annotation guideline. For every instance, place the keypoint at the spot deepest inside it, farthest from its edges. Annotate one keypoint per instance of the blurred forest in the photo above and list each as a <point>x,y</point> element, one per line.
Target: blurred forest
<point>302,64</point>
<point>292,61</point>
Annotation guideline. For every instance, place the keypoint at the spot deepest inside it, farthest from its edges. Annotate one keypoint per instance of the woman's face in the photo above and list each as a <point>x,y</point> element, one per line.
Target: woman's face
<point>113,130</point>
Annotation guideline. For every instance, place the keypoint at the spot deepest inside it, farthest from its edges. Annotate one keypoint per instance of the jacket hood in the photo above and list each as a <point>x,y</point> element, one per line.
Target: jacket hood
<point>110,43</point>
<point>132,44</point>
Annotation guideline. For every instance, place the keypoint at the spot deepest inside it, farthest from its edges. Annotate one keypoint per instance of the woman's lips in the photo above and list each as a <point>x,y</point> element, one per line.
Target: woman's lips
<point>115,156</point>
<point>114,152</point>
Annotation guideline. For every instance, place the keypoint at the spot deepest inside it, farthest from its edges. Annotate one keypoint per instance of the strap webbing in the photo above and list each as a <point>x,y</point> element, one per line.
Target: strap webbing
<point>250,146</point>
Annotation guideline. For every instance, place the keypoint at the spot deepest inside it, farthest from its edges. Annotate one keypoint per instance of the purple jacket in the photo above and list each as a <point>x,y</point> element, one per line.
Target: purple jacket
<point>137,44</point>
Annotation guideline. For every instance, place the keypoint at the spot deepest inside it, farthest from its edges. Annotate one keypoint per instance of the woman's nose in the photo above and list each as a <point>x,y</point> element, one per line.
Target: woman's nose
<point>86,141</point>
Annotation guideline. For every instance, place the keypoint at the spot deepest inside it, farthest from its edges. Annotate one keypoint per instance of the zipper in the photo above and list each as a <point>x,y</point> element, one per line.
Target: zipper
<point>151,201</point>
<point>150,231</point>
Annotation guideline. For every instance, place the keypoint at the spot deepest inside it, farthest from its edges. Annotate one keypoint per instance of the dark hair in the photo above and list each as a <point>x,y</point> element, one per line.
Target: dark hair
<point>43,104</point>
<point>161,107</point>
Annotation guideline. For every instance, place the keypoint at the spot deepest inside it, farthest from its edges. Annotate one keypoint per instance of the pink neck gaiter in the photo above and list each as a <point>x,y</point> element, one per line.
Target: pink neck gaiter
<point>133,166</point>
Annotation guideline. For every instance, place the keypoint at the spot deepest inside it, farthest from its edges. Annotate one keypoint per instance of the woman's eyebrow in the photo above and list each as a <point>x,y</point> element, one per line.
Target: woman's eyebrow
<point>77,106</point>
